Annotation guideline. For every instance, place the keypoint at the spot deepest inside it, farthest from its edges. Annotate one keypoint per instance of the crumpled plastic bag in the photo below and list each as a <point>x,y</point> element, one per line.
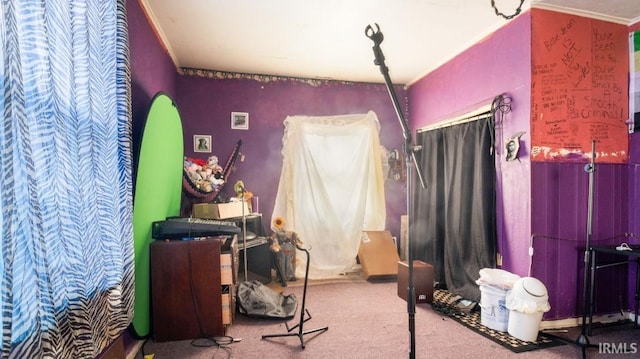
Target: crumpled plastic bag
<point>526,301</point>
<point>257,300</point>
<point>526,306</point>
<point>497,277</point>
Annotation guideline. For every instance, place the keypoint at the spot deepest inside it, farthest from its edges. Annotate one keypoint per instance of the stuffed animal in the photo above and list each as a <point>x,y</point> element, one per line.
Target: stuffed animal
<point>210,174</point>
<point>215,171</point>
<point>193,169</point>
<point>206,176</point>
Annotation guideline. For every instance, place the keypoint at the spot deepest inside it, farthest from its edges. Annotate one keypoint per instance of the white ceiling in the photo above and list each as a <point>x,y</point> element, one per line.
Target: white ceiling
<point>326,39</point>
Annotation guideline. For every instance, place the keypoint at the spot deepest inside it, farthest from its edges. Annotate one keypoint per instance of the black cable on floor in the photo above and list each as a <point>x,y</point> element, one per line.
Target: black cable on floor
<point>213,341</point>
<point>220,343</point>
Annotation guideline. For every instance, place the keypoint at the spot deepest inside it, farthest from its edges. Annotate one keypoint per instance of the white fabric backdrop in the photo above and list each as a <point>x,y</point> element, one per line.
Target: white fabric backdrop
<point>331,188</point>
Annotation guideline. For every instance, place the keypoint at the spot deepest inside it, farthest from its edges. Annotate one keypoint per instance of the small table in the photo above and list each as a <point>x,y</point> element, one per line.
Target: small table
<point>632,256</point>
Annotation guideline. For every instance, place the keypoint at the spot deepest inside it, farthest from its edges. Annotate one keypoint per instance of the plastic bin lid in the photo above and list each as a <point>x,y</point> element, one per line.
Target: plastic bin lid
<point>528,295</point>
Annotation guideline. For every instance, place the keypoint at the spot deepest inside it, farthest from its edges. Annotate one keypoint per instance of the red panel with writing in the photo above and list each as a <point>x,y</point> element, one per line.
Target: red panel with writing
<point>579,88</point>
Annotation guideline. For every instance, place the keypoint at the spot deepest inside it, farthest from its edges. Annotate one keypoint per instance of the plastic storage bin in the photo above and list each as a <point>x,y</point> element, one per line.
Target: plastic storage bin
<point>493,311</point>
<point>494,285</point>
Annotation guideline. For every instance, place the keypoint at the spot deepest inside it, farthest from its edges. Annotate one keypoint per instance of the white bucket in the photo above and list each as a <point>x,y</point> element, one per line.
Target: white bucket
<point>493,311</point>
<point>524,326</point>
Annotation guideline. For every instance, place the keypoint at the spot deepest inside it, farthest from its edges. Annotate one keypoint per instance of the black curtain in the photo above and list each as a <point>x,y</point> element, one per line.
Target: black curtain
<point>453,224</point>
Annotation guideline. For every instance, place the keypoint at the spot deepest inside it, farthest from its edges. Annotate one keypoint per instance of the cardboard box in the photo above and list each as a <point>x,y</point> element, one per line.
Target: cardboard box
<point>423,280</point>
<point>378,255</point>
<point>220,210</point>
<point>226,269</point>
<point>228,306</point>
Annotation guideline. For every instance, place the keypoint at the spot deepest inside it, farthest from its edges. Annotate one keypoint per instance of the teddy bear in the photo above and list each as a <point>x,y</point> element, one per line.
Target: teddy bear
<point>212,171</point>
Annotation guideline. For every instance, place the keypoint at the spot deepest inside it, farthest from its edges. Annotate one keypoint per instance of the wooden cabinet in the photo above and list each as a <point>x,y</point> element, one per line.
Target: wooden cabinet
<point>187,287</point>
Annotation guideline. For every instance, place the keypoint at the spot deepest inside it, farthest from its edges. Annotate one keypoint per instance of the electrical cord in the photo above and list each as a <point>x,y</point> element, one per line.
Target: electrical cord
<point>219,343</point>
<point>222,341</point>
<point>194,294</point>
<point>536,235</point>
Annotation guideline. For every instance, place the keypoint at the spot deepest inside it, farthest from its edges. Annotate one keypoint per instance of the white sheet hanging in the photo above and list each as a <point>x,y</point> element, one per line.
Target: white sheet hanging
<point>331,188</point>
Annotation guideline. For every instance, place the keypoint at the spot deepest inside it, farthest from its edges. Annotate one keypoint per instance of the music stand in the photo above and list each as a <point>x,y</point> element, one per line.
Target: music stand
<point>304,313</point>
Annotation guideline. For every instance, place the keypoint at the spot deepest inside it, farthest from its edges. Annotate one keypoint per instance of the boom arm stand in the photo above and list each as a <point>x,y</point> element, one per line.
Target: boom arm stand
<point>409,150</point>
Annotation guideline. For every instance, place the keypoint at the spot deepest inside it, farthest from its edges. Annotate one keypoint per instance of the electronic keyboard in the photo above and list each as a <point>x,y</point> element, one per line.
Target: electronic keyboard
<point>185,227</point>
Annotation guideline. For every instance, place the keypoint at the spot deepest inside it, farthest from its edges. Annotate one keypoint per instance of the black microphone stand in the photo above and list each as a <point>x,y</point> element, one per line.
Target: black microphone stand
<point>583,340</point>
<point>590,168</point>
<point>409,151</point>
<point>244,234</point>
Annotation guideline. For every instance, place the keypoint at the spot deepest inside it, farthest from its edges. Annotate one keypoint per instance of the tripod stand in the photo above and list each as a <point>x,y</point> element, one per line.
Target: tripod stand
<point>304,313</point>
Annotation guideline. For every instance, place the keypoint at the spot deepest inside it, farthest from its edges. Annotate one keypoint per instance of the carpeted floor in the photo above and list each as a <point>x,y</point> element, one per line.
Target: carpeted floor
<point>365,320</point>
<point>351,277</point>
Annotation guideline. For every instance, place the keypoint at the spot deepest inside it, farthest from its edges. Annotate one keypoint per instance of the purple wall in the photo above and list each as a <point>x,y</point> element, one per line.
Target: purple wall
<point>152,70</point>
<point>542,198</point>
<point>543,201</point>
<point>560,205</point>
<point>500,64</point>
<point>206,105</point>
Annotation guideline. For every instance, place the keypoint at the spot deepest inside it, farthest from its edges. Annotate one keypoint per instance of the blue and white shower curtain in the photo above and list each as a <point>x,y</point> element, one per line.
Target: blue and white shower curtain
<point>66,289</point>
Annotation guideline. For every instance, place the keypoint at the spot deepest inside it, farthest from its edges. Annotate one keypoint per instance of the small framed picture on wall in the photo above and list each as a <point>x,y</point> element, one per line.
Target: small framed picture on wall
<point>239,120</point>
<point>202,143</point>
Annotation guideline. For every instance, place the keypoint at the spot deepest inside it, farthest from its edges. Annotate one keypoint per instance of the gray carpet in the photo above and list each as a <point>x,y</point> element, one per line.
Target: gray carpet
<point>365,320</point>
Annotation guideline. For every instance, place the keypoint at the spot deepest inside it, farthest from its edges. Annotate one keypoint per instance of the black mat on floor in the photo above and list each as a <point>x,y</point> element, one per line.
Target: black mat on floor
<point>446,303</point>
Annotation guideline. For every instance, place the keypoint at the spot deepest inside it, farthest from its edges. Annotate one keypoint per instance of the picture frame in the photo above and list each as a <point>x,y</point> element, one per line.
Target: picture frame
<point>239,120</point>
<point>202,143</point>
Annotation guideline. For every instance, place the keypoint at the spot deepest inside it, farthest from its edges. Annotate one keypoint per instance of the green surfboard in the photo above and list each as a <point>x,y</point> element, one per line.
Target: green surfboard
<point>158,190</point>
